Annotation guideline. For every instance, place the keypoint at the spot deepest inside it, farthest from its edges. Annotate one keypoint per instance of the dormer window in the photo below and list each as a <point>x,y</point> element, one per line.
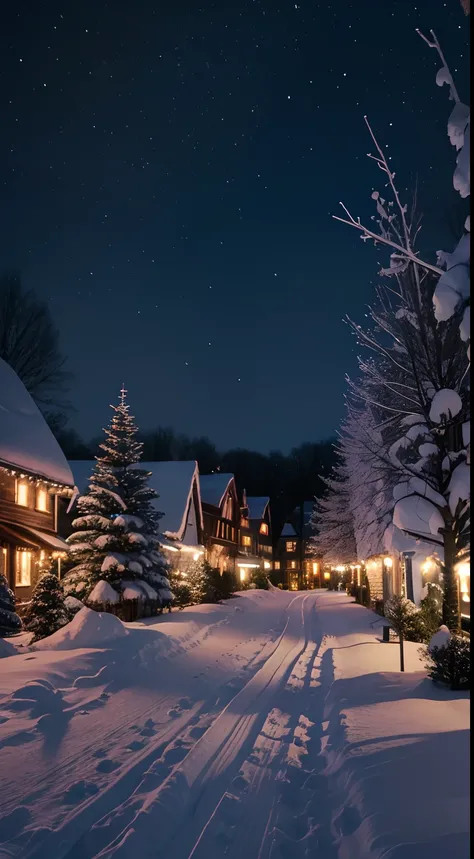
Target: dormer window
<point>264,528</point>
<point>21,492</point>
<point>291,545</point>
<point>42,499</point>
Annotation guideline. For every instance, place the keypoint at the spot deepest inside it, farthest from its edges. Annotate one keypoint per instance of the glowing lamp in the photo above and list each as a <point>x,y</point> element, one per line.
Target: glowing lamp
<point>327,576</point>
<point>388,562</point>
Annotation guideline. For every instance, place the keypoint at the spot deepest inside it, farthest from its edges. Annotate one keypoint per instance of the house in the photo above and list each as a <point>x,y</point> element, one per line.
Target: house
<point>35,485</point>
<point>255,536</point>
<point>221,518</point>
<point>297,567</point>
<point>179,501</point>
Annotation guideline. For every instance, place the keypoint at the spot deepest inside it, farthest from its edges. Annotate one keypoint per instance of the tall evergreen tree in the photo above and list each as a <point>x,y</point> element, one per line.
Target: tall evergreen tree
<point>116,531</point>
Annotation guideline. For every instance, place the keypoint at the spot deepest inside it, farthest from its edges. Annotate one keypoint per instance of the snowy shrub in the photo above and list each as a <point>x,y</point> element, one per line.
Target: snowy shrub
<point>10,623</point>
<point>224,585</point>
<point>405,618</point>
<point>431,609</point>
<point>259,579</point>
<point>450,664</point>
<point>46,612</point>
<point>181,590</point>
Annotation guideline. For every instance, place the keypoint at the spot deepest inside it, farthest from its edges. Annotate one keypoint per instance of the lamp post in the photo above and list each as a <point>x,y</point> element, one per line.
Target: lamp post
<point>409,575</point>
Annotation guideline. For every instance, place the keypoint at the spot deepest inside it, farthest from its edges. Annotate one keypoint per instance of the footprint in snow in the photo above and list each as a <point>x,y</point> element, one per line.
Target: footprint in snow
<point>80,791</point>
<point>135,746</point>
<point>107,766</point>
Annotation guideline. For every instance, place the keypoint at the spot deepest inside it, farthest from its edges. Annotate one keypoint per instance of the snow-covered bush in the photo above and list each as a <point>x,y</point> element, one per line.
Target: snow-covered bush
<point>431,609</point>
<point>46,612</point>
<point>405,618</point>
<point>259,578</point>
<point>451,664</point>
<point>10,623</point>
<point>115,537</point>
<point>181,590</point>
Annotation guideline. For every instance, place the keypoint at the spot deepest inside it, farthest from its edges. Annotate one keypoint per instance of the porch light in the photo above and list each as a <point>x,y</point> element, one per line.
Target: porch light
<point>327,576</point>
<point>388,562</point>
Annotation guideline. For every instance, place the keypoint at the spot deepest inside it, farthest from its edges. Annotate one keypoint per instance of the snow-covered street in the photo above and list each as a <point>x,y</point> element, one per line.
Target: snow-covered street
<point>275,726</point>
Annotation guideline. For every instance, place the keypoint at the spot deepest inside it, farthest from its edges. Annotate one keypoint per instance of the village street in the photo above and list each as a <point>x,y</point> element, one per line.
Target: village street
<point>274,726</point>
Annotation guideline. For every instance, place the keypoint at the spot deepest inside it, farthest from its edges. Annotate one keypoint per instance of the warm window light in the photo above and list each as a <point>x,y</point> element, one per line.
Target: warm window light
<point>243,574</point>
<point>23,568</point>
<point>246,541</point>
<point>340,569</point>
<point>22,493</point>
<point>388,562</point>
<point>42,500</point>
<point>291,546</point>
<point>315,567</point>
<point>267,565</point>
<point>327,576</point>
<point>427,566</point>
<point>264,528</point>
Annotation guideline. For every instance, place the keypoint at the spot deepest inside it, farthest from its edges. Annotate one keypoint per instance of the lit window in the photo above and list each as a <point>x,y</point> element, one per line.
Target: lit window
<point>246,541</point>
<point>264,528</point>
<point>276,565</point>
<point>22,493</point>
<point>42,500</point>
<point>244,523</point>
<point>3,561</point>
<point>291,545</point>
<point>23,568</point>
<point>292,565</point>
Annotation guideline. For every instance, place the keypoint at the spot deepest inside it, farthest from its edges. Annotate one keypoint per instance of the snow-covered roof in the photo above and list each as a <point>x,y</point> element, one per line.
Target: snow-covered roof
<point>288,530</point>
<point>214,487</point>
<point>173,482</point>
<point>26,441</point>
<point>257,506</point>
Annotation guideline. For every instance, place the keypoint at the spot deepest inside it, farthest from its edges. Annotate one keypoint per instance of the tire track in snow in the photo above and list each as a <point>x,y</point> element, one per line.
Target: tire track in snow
<point>183,807</point>
<point>67,839</point>
<point>170,820</point>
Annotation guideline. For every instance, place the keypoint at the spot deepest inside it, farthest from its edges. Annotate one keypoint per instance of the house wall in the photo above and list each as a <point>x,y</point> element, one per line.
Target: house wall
<point>24,558</point>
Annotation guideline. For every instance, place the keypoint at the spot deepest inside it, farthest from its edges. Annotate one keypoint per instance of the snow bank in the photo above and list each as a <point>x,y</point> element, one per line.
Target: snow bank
<point>386,738</point>
<point>88,629</point>
<point>6,649</point>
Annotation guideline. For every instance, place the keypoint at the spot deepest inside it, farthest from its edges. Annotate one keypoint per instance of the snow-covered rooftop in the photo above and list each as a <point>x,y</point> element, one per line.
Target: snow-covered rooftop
<point>214,487</point>
<point>288,530</point>
<point>26,441</point>
<point>173,482</point>
<point>257,506</point>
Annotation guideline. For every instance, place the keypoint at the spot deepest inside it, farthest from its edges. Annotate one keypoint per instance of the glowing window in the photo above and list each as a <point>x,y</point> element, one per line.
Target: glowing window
<point>42,500</point>
<point>291,545</point>
<point>23,568</point>
<point>246,541</point>
<point>264,528</point>
<point>22,493</point>
<point>276,565</point>
<point>292,565</point>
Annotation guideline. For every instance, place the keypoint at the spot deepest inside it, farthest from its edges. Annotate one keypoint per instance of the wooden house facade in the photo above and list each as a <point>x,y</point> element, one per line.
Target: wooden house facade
<point>35,487</point>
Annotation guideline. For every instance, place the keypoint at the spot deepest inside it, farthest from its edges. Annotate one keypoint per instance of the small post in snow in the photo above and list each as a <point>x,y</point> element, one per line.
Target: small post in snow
<point>402,655</point>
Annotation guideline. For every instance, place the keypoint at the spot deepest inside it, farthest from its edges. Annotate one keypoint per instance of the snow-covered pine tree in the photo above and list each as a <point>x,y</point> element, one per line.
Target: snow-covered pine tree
<point>10,623</point>
<point>115,537</point>
<point>46,612</point>
<point>199,581</point>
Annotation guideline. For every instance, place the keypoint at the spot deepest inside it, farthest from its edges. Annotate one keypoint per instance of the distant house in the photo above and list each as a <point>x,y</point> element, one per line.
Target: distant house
<point>221,516</point>
<point>179,500</point>
<point>35,485</point>
<point>255,540</point>
<point>295,562</point>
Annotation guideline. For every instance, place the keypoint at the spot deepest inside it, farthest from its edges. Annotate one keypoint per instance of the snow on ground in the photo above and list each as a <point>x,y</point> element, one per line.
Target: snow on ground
<point>274,726</point>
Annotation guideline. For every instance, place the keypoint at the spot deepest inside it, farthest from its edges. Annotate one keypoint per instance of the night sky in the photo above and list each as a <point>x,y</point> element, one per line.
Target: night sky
<point>168,171</point>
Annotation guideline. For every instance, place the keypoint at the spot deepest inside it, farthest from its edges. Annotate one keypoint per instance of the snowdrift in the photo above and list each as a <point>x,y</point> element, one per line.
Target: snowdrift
<point>88,629</point>
<point>6,649</point>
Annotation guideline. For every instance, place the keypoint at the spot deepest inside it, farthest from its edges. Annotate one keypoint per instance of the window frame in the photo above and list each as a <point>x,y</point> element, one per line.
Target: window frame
<point>23,484</point>
<point>23,553</point>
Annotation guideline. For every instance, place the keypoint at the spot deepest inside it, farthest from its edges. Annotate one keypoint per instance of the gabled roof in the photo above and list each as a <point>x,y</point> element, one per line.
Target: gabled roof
<point>172,481</point>
<point>214,487</point>
<point>26,441</point>
<point>288,530</point>
<point>257,506</point>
